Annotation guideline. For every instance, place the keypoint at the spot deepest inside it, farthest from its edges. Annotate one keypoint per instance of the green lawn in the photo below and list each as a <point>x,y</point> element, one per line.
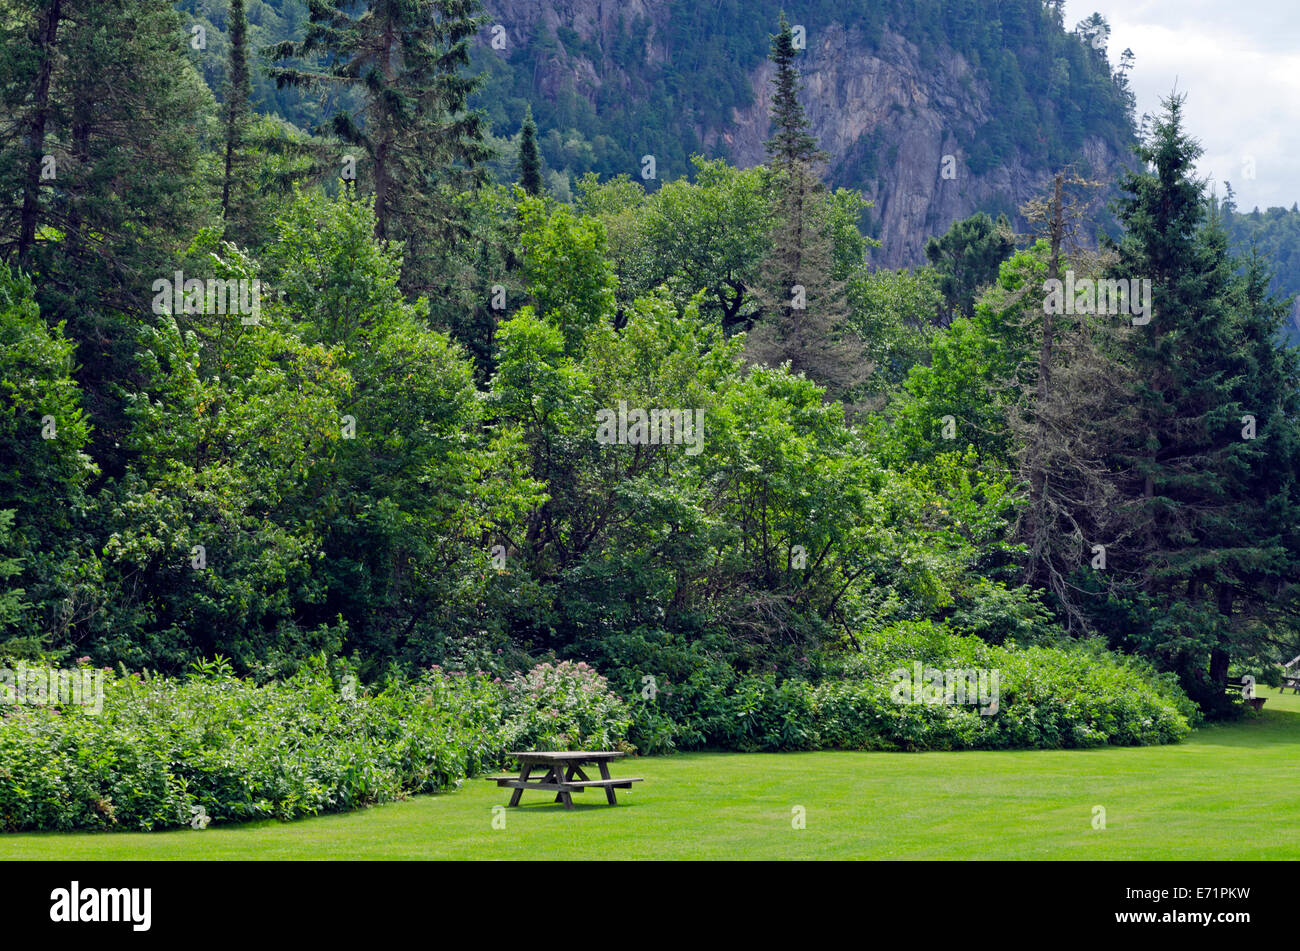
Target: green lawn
<point>1229,792</point>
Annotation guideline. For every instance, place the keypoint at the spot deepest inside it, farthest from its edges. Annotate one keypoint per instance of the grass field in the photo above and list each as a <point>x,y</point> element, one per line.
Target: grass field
<point>1228,792</point>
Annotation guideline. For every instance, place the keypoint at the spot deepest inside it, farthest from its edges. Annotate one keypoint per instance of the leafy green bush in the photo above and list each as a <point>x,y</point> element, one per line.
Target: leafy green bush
<point>162,750</point>
<point>1048,697</point>
<point>162,747</point>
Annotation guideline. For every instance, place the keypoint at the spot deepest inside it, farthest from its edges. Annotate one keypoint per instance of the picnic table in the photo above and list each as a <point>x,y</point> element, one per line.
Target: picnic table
<point>1291,676</point>
<point>564,774</point>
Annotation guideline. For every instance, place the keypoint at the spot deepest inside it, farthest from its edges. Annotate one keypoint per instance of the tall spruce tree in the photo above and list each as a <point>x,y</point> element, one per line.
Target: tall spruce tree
<point>238,91</point>
<point>790,142</point>
<point>967,257</point>
<point>28,48</point>
<point>804,303</point>
<point>1196,470</point>
<point>98,140</point>
<point>98,106</point>
<point>1258,598</point>
<point>530,160</point>
<point>408,59</point>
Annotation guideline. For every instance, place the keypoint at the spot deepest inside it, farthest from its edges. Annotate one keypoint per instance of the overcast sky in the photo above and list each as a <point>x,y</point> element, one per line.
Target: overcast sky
<point>1239,63</point>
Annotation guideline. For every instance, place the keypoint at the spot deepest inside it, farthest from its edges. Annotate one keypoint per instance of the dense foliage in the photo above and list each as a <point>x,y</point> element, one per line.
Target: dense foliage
<point>683,436</point>
<point>1046,698</point>
<point>212,748</point>
<point>162,749</point>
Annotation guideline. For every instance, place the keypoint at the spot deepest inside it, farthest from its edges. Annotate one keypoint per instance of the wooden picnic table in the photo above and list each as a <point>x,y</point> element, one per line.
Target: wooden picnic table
<point>1290,676</point>
<point>564,774</point>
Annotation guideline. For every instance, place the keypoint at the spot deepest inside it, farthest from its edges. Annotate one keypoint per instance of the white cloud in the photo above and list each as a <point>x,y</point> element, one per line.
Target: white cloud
<point>1239,67</point>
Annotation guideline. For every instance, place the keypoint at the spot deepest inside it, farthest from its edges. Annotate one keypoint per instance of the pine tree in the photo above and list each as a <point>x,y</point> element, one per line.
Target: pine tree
<point>238,91</point>
<point>408,59</point>
<point>30,69</point>
<point>790,142</point>
<point>117,191</point>
<point>1203,534</point>
<point>966,257</point>
<point>1259,532</point>
<point>530,161</point>
<point>805,306</point>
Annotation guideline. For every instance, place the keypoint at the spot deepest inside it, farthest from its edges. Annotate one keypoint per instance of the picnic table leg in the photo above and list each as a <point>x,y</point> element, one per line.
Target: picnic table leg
<point>572,769</point>
<point>523,778</point>
<point>609,790</point>
<point>564,795</point>
<point>557,776</point>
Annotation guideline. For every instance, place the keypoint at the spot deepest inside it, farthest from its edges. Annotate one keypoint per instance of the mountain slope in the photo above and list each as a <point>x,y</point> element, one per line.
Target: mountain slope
<point>890,87</point>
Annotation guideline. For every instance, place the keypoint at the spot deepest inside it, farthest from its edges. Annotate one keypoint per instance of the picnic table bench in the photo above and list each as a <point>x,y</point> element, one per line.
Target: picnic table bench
<point>564,775</point>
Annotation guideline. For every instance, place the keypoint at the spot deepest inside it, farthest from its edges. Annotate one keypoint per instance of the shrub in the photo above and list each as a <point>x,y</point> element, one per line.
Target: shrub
<point>162,747</point>
<point>1049,697</point>
<point>565,706</point>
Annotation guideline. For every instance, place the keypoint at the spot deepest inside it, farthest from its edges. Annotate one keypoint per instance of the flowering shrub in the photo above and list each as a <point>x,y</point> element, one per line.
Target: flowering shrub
<point>565,706</point>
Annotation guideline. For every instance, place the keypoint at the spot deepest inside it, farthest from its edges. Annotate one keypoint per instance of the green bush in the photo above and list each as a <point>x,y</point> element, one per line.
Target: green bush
<point>162,747</point>
<point>1048,697</point>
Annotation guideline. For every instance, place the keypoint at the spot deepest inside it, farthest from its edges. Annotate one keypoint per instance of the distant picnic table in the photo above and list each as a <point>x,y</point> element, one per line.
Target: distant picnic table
<point>1291,676</point>
<point>564,774</point>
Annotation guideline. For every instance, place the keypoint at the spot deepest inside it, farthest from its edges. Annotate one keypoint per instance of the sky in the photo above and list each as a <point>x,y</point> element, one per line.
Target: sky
<point>1238,61</point>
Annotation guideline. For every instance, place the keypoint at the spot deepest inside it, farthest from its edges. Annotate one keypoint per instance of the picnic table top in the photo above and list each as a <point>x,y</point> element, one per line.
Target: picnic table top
<point>582,755</point>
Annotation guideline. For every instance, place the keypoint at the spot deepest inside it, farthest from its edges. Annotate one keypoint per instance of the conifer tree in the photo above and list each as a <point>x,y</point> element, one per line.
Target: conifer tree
<point>98,141</point>
<point>407,59</point>
<point>791,142</point>
<point>1259,532</point>
<point>805,305</point>
<point>530,161</point>
<point>967,257</point>
<point>29,71</point>
<point>238,91</point>
<point>105,159</point>
<point>1206,494</point>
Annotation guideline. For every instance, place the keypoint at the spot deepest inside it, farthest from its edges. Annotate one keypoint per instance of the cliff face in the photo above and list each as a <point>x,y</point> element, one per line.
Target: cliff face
<point>888,121</point>
<point>915,118</point>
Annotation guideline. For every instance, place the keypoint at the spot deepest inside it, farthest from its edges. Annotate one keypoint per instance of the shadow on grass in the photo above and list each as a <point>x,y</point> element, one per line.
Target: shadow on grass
<point>1268,728</point>
<point>559,807</point>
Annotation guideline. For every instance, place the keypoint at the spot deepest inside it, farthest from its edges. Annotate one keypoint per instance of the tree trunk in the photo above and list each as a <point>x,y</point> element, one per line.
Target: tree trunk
<point>1219,655</point>
<point>49,30</point>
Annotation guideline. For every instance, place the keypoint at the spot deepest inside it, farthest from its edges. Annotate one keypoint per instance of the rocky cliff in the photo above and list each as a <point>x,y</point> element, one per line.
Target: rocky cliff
<point>917,121</point>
